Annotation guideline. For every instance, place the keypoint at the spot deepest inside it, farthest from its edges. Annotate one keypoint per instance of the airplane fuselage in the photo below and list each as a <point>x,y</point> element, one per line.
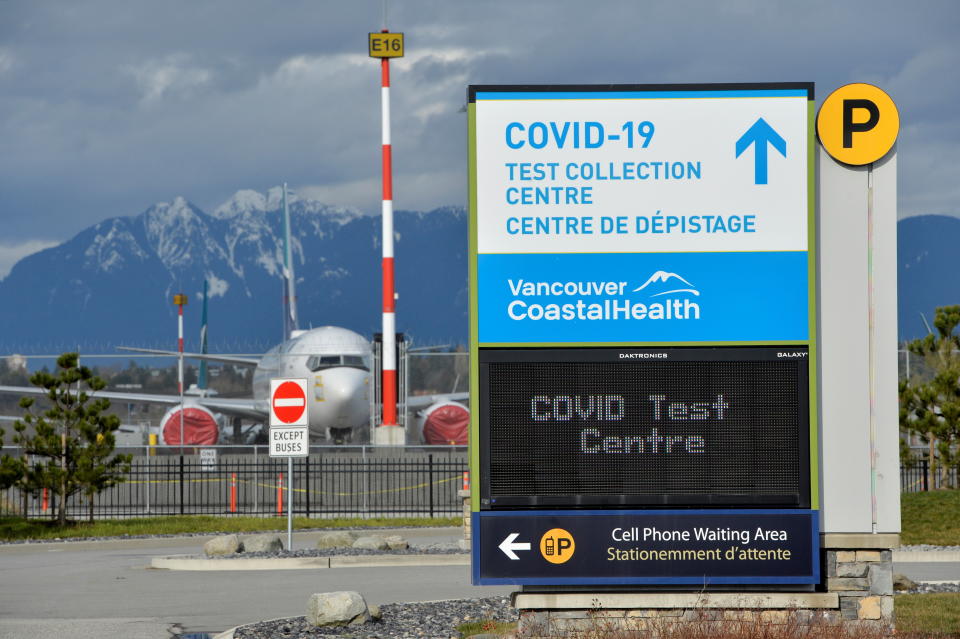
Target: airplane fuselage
<point>336,363</point>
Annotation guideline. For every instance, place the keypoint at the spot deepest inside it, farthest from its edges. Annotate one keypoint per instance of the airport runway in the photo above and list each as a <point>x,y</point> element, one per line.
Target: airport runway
<point>104,590</point>
<point>100,590</point>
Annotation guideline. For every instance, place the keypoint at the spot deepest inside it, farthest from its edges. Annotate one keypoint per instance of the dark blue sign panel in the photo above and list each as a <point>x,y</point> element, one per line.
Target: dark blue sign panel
<point>701,547</point>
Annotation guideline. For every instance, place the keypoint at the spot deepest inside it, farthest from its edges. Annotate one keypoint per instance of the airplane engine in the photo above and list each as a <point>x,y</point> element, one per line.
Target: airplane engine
<point>200,427</point>
<point>444,423</point>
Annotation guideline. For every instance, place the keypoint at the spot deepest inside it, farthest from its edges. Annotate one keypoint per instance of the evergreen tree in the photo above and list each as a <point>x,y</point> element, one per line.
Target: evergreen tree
<point>73,440</point>
<point>932,408</point>
<point>11,469</point>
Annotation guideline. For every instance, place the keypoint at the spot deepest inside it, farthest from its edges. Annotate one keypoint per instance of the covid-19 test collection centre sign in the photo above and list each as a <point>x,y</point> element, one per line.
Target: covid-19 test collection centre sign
<point>642,328</point>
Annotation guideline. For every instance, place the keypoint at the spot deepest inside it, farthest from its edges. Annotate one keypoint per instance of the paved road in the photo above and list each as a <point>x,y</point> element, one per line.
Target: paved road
<point>929,571</point>
<point>105,590</point>
<point>87,590</point>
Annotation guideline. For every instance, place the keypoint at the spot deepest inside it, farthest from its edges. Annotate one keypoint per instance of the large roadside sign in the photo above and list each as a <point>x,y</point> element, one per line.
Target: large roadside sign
<point>643,329</point>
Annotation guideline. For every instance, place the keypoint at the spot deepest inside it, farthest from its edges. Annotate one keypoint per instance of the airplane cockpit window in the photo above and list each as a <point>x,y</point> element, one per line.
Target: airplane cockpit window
<point>319,362</point>
<point>354,361</point>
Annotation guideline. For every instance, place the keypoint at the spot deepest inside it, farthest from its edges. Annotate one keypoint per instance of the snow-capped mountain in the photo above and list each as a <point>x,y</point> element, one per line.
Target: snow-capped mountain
<point>112,284</point>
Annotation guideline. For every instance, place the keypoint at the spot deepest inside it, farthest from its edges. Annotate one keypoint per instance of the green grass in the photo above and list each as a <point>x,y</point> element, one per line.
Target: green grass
<point>928,518</point>
<point>931,518</point>
<point>937,613</point>
<point>486,626</point>
<point>15,528</point>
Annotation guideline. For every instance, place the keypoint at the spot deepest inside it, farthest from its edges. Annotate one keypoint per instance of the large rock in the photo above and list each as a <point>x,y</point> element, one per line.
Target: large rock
<point>336,539</point>
<point>262,543</point>
<point>344,608</point>
<point>223,545</point>
<point>396,542</point>
<point>902,582</point>
<point>371,542</point>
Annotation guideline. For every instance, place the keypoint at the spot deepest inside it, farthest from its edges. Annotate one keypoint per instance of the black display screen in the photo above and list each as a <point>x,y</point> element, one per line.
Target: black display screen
<point>690,427</point>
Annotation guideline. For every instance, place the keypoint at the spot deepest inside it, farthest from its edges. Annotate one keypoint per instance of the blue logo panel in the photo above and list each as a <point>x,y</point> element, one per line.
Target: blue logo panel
<point>643,297</point>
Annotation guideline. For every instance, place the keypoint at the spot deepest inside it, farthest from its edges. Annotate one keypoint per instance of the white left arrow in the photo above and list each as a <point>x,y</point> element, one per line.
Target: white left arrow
<point>508,546</point>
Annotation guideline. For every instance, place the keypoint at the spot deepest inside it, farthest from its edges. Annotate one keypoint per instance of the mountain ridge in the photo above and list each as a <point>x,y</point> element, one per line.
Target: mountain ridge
<point>113,282</point>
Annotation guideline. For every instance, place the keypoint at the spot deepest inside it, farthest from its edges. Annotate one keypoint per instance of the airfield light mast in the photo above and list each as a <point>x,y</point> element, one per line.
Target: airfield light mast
<point>386,45</point>
<point>180,300</point>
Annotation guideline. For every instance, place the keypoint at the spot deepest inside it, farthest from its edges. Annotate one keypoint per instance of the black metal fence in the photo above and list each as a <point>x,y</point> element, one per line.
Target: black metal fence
<point>916,477</point>
<point>364,482</point>
<point>324,484</point>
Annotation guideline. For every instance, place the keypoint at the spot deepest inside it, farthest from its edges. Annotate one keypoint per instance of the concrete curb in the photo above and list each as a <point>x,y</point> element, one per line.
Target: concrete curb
<point>923,556</point>
<point>191,562</point>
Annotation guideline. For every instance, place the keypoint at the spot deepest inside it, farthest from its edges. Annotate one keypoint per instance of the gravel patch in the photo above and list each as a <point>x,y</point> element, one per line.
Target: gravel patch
<point>60,540</point>
<point>924,588</point>
<point>430,620</point>
<point>928,547</point>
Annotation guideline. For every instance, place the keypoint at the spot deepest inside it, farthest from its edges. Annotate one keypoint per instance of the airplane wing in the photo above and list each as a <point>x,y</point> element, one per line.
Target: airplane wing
<point>249,408</point>
<point>223,359</point>
<point>419,402</point>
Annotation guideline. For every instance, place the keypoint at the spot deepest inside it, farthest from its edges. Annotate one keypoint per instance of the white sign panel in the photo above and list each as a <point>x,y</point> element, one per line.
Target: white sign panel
<point>288,402</point>
<point>208,459</point>
<point>289,441</point>
<point>648,172</point>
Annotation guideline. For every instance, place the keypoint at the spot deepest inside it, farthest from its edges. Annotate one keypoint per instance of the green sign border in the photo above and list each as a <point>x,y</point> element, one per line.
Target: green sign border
<point>812,259</point>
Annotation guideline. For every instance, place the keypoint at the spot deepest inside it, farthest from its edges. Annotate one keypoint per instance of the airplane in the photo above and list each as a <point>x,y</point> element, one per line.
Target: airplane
<point>336,362</point>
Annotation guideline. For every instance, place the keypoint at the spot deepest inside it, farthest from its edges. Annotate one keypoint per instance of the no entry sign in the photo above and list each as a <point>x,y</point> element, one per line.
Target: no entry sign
<point>288,402</point>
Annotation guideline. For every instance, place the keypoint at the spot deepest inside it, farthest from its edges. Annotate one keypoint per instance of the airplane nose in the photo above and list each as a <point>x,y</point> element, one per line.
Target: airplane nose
<point>345,398</point>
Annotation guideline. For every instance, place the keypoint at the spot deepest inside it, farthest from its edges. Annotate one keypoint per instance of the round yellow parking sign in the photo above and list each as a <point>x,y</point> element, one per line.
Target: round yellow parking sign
<point>858,124</point>
<point>557,546</point>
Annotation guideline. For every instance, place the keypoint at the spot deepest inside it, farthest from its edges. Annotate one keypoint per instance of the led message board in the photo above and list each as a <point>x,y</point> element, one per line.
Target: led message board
<point>573,428</point>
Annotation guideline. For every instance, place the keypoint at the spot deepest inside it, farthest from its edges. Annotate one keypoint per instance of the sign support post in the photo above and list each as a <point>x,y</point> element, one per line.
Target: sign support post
<point>289,431</point>
<point>289,503</point>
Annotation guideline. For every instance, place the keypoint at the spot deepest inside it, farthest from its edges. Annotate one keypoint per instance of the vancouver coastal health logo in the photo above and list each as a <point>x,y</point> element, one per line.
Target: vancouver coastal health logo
<point>663,296</point>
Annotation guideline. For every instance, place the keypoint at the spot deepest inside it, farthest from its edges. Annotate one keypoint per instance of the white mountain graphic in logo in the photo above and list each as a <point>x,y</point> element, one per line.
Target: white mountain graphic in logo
<point>664,277</point>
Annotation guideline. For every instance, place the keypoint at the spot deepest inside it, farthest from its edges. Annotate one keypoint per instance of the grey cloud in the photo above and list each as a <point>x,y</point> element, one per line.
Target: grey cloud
<point>108,106</point>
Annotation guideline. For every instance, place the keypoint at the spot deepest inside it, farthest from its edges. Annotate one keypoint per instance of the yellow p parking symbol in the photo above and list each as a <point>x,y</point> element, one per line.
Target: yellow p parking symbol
<point>857,124</point>
<point>557,546</point>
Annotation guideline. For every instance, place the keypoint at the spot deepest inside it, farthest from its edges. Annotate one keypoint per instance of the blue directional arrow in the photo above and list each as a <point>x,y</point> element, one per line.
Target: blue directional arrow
<point>760,134</point>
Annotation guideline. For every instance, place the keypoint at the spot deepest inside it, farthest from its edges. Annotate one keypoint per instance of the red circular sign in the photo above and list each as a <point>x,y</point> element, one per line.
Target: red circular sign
<point>289,402</point>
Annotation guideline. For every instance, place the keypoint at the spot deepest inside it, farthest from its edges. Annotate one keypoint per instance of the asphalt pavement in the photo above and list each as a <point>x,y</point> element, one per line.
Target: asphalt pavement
<point>100,590</point>
<point>929,571</point>
<point>105,589</point>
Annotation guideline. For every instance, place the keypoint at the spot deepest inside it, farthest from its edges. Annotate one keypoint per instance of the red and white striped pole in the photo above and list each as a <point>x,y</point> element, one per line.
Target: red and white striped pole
<point>389,354</point>
<point>180,300</point>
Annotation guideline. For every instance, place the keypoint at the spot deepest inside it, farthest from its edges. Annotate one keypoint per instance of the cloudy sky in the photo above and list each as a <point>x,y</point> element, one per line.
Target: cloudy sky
<point>108,106</point>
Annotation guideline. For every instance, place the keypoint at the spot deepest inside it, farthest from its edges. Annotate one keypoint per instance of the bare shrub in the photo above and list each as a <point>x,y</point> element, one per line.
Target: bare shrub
<point>704,623</point>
